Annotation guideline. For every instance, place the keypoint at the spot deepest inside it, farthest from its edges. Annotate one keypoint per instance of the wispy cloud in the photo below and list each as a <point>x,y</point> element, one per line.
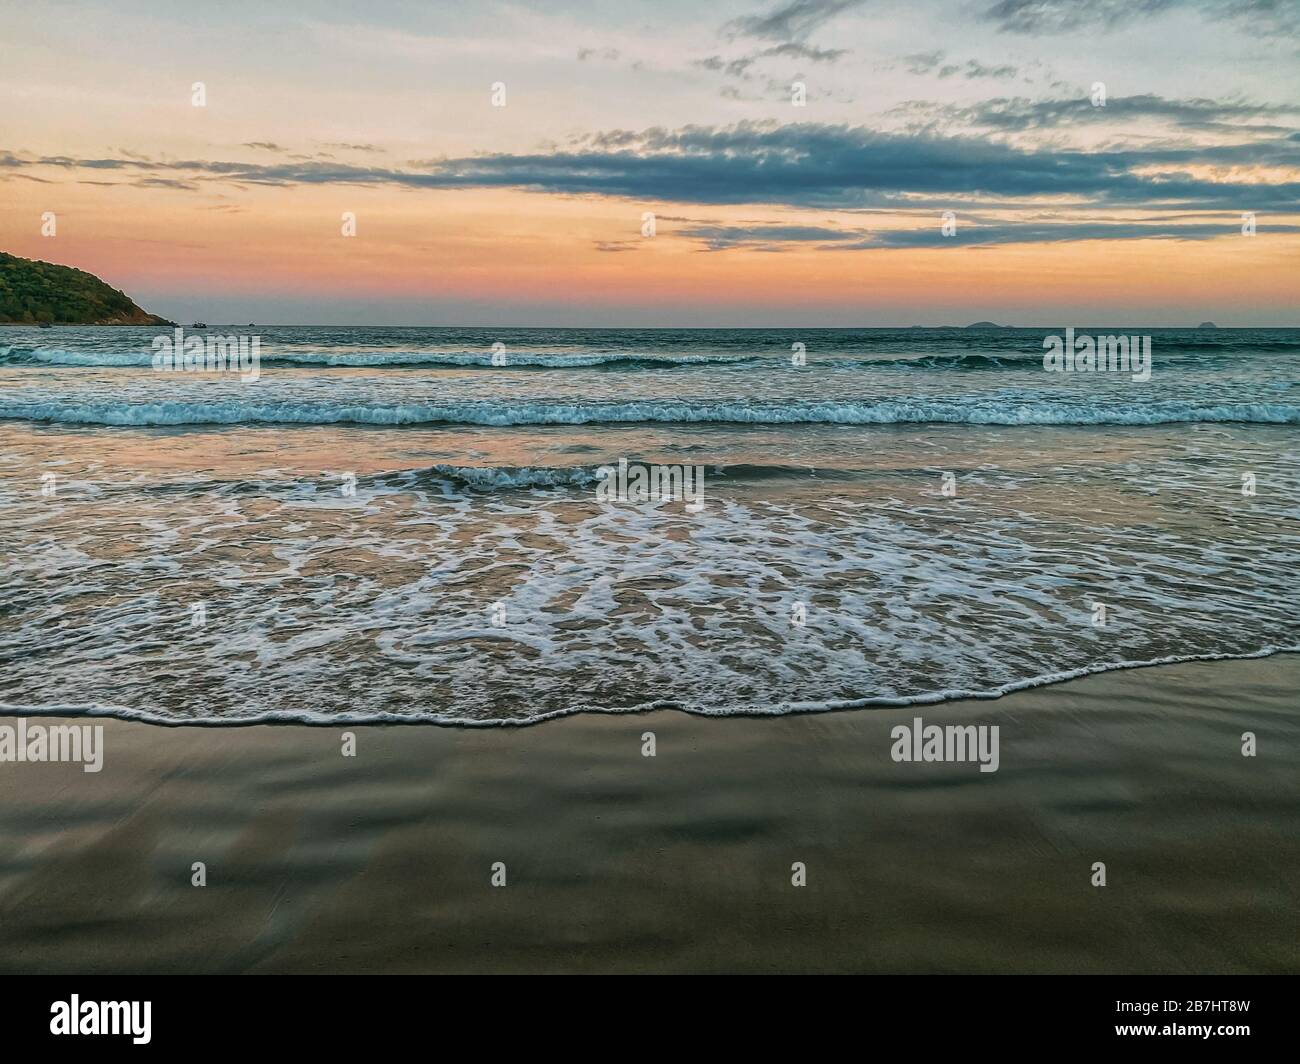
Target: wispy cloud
<point>1020,114</point>
<point>717,237</point>
<point>790,21</point>
<point>739,67</point>
<point>973,232</point>
<point>796,50</point>
<point>933,63</point>
<point>1014,232</point>
<point>1064,16</point>
<point>1060,16</point>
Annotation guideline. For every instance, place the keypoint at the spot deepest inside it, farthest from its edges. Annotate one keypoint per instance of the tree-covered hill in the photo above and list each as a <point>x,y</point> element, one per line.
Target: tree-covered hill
<point>33,292</point>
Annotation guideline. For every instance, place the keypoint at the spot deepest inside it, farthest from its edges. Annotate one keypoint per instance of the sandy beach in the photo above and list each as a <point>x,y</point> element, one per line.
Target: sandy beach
<point>616,862</point>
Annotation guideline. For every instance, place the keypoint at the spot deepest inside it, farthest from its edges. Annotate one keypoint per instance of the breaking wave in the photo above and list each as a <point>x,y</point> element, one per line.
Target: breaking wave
<point>966,410</point>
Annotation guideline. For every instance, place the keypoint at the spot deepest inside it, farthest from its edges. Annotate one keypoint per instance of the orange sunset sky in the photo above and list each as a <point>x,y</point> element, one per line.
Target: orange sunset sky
<point>798,160</point>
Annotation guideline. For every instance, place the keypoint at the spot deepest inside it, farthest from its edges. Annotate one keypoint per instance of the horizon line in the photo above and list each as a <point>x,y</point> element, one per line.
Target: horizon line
<point>976,326</point>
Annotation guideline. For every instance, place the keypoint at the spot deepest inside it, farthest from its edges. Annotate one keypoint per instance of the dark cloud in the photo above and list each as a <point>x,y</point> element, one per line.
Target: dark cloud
<point>165,182</point>
<point>988,235</point>
<point>260,145</point>
<point>801,165</point>
<point>1064,16</point>
<point>1020,114</point>
<point>735,68</point>
<point>972,69</point>
<point>739,67</point>
<point>932,62</point>
<point>721,237</point>
<point>791,21</point>
<point>717,237</point>
<point>795,50</point>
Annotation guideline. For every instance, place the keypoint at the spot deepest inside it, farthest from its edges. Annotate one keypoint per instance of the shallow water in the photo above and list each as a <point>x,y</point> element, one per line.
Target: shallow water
<point>387,526</point>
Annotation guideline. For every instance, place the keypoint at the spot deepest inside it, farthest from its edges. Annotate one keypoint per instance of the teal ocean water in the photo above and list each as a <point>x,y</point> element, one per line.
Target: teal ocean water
<point>405,524</point>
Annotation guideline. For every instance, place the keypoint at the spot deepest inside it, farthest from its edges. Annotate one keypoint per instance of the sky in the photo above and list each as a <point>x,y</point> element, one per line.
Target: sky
<point>745,162</point>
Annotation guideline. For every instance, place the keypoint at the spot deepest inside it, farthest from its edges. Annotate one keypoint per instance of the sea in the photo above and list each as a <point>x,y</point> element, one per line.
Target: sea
<point>411,524</point>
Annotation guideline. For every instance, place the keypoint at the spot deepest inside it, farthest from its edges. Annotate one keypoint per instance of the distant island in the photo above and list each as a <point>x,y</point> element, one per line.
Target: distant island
<point>987,325</point>
<point>42,293</point>
<point>1207,325</point>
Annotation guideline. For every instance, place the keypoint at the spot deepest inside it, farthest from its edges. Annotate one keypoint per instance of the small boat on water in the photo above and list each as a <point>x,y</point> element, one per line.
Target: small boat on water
<point>199,325</point>
<point>45,325</point>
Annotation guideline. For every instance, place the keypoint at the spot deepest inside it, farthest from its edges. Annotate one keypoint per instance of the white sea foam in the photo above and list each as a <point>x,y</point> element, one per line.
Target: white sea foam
<point>487,478</point>
<point>354,719</point>
<point>324,608</point>
<point>1002,410</point>
<point>384,359</point>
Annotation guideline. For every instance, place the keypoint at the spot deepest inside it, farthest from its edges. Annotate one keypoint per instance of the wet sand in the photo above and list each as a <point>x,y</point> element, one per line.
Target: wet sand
<point>617,862</point>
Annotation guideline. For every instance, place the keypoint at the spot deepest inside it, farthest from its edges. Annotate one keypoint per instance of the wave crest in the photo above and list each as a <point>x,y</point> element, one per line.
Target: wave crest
<point>1000,411</point>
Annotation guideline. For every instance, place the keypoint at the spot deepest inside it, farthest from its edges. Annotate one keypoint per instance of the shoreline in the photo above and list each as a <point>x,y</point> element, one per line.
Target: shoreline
<point>794,709</point>
<point>617,862</point>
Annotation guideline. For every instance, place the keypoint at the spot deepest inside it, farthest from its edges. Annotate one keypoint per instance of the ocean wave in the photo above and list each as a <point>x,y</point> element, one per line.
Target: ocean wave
<point>483,360</point>
<point>1002,411</point>
<point>1019,360</point>
<point>353,718</point>
<point>523,360</point>
<point>1203,356</point>
<point>496,478</point>
<point>489,478</point>
<point>1233,345</point>
<point>40,356</point>
<point>458,479</point>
